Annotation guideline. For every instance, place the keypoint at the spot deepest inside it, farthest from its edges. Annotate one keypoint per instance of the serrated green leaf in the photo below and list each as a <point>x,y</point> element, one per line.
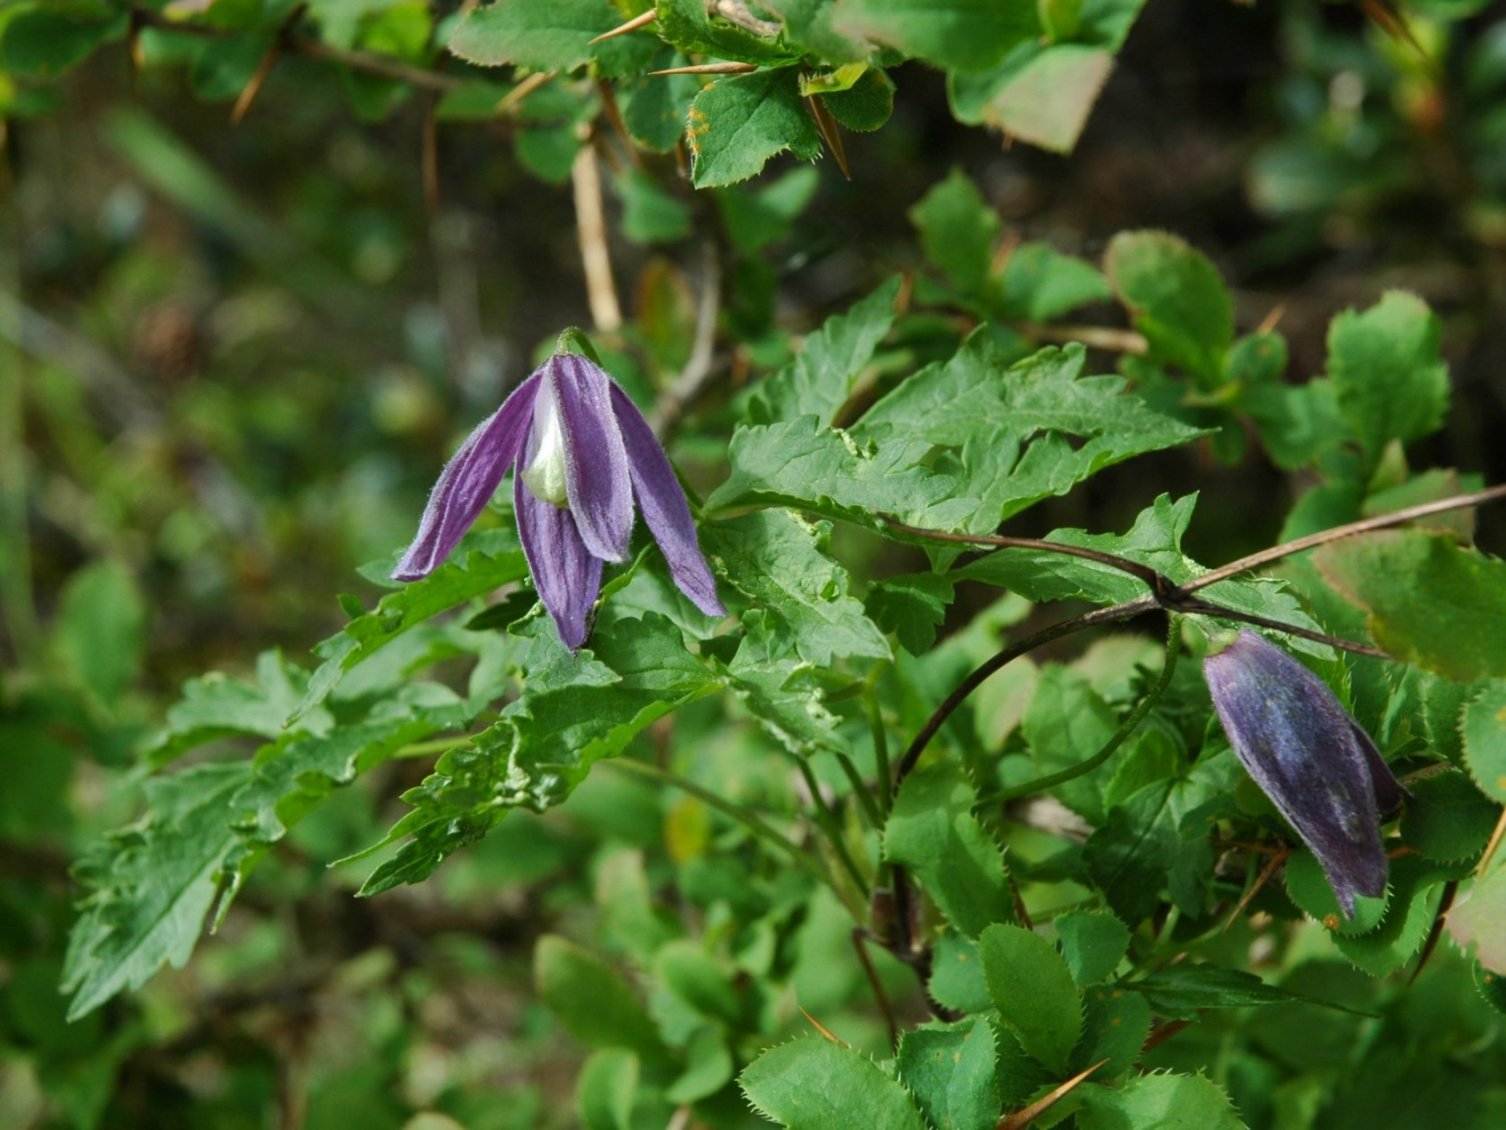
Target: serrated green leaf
<point>1310,890</point>
<point>822,376</point>
<point>782,693</point>
<point>1093,943</point>
<point>481,563</point>
<point>1388,372</point>
<point>543,35</point>
<point>1032,988</point>
<point>1167,1102</point>
<point>957,980</point>
<point>950,1070</point>
<point>931,830</point>
<point>216,705</point>
<point>864,105</point>
<point>1428,601</point>
<point>1415,886</point>
<point>1116,1022</point>
<point>964,35</point>
<point>1483,729</point>
<point>779,562</point>
<point>737,124</point>
<point>810,26</point>
<point>691,26</point>
<point>813,1084</point>
<point>1066,723</point>
<point>958,231</point>
<point>1177,299</point>
<point>655,107</point>
<point>573,712</point>
<point>592,999</point>
<point>1447,819</point>
<point>151,886</point>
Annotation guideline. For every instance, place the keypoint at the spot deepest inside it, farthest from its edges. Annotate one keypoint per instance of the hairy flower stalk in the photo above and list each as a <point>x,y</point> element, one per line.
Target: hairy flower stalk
<point>583,454</point>
<point>1322,772</point>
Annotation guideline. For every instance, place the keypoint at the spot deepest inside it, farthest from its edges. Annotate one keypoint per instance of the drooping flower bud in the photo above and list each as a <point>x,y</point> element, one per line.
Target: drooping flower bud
<point>1320,770</point>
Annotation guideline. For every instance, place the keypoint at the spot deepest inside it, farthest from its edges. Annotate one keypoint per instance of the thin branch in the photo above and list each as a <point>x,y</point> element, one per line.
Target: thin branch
<point>1107,338</point>
<point>1323,537</point>
<point>826,820</point>
<point>1112,614</point>
<point>697,371</point>
<point>591,230</point>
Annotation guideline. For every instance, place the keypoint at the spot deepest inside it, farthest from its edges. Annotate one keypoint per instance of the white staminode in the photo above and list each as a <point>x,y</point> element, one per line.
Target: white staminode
<point>545,474</point>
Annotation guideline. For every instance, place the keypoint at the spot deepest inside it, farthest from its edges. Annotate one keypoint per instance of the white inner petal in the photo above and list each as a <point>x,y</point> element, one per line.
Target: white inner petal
<point>544,476</point>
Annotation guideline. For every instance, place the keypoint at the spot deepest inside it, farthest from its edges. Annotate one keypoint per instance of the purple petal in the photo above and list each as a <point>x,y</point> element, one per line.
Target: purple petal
<point>596,464</point>
<point>664,506</point>
<point>566,573</point>
<point>1301,748</point>
<point>468,481</point>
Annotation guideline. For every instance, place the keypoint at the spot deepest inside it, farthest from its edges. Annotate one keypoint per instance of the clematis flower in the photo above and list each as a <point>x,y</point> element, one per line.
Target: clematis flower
<point>1322,772</point>
<point>583,454</point>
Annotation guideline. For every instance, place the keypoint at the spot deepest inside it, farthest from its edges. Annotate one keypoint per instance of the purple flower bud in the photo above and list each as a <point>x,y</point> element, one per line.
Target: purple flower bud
<point>1321,771</point>
<point>583,454</point>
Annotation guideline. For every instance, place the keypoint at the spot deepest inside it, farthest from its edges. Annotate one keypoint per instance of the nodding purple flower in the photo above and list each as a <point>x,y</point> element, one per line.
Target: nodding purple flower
<point>583,454</point>
<point>1322,772</point>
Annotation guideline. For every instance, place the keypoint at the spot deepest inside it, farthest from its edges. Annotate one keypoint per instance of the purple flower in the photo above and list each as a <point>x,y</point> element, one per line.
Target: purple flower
<point>583,453</point>
<point>1322,772</point>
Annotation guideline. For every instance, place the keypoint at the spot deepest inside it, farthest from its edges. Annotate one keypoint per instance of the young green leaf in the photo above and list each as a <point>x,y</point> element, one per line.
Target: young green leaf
<point>950,1069</point>
<point>812,1084</point>
<point>592,999</point>
<point>1170,1102</point>
<point>1177,299</point>
<point>958,231</point>
<point>1093,943</point>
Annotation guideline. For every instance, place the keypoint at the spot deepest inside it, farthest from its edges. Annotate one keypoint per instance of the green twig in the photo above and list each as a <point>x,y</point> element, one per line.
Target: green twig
<point>826,820</point>
<point>861,790</point>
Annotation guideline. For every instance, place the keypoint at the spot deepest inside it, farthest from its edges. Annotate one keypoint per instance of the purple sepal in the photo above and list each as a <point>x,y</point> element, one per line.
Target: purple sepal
<point>564,571</point>
<point>664,507</point>
<point>468,482</point>
<point>596,463</point>
<point>1307,754</point>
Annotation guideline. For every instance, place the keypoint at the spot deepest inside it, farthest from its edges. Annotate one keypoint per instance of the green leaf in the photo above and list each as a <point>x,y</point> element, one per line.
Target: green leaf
<point>1309,888</point>
<point>949,1068</point>
<point>1409,917</point>
<point>1427,600</point>
<point>543,35</point>
<point>572,712</point>
<point>1167,1102</point>
<point>1447,819</point>
<point>1483,728</point>
<point>1116,1023</point>
<point>655,107</point>
<point>1179,991</point>
<point>690,26</point>
<point>1387,369</point>
<point>100,629</point>
<point>864,106</point>
<point>911,606</point>
<point>957,980</point>
<point>708,1068</point>
<point>1477,922</point>
<point>1177,300</point>
<point>1093,943</point>
<point>783,693</point>
<point>43,44</point>
<point>963,35</point>
<point>813,1084</point>
<point>1032,988</point>
<point>216,705</point>
<point>1039,283</point>
<point>649,214</point>
<point>958,231</point>
<point>932,831</point>
<point>684,968</point>
<point>738,123</point>
<point>1039,93</point>
<point>811,26</point>
<point>592,999</point>
<point>823,374</point>
<point>606,1089</point>
<point>150,886</point>
<point>479,565</point>
<point>1066,723</point>
<point>780,563</point>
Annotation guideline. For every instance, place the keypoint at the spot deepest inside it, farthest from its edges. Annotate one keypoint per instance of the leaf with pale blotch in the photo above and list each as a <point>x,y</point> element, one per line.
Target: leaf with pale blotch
<point>737,124</point>
<point>1483,729</point>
